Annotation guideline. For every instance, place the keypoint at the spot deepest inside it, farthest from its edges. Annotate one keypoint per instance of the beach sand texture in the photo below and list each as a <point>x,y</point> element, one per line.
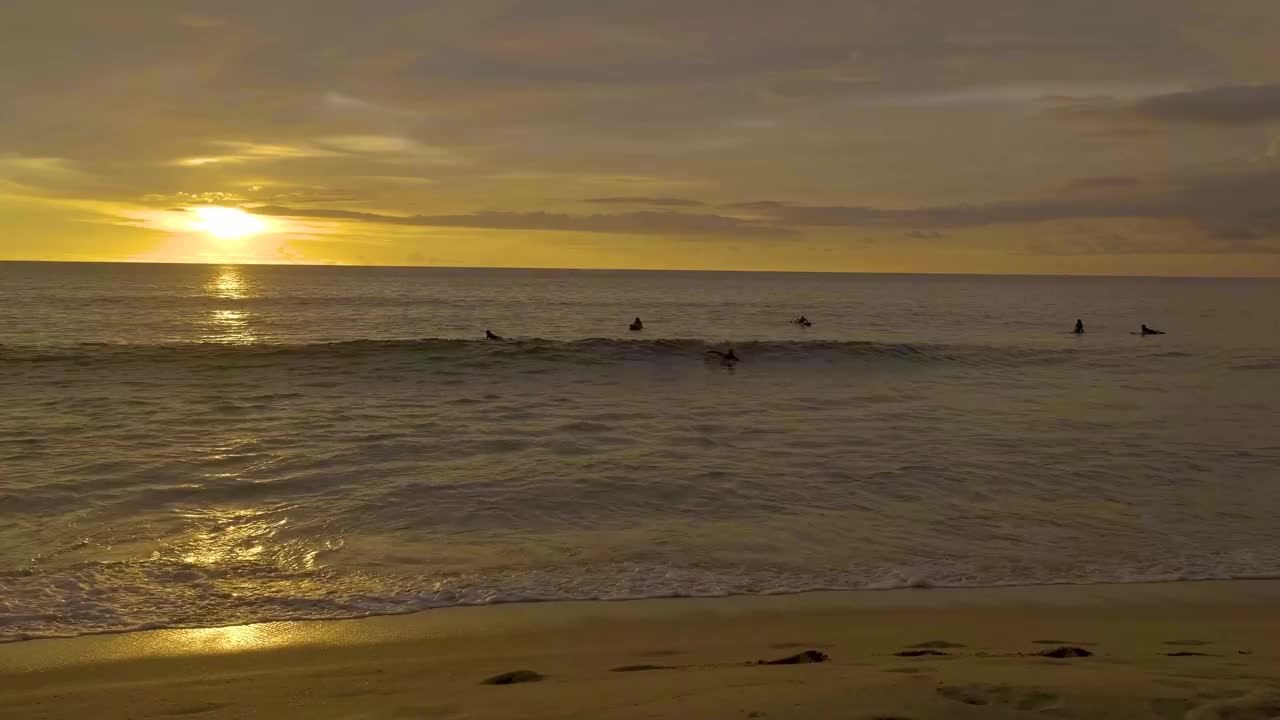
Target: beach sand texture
<point>1178,650</point>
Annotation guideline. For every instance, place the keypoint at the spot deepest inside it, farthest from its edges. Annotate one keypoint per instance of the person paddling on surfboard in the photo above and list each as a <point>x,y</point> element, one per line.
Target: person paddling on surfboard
<point>1150,331</point>
<point>637,325</point>
<point>1079,327</point>
<point>728,357</point>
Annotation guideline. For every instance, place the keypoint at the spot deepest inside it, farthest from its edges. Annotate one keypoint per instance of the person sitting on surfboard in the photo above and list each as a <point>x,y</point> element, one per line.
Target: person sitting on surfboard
<point>802,321</point>
<point>1150,331</point>
<point>637,325</point>
<point>1079,327</point>
<point>488,335</point>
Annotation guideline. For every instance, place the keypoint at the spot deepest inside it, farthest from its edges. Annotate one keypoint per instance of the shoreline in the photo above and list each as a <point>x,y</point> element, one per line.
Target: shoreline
<point>1186,647</point>
<point>951,593</point>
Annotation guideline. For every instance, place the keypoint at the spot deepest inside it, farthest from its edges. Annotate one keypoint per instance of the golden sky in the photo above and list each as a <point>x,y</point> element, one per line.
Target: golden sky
<point>1081,136</point>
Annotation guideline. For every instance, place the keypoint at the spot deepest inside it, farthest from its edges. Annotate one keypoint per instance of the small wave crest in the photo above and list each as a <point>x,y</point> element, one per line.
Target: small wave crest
<point>102,598</point>
<point>587,351</point>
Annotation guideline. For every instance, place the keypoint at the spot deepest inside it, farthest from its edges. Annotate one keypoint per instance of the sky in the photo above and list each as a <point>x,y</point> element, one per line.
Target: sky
<point>988,136</point>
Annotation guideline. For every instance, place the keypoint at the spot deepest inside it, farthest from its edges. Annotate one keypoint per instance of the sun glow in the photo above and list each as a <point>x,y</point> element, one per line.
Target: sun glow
<point>227,223</point>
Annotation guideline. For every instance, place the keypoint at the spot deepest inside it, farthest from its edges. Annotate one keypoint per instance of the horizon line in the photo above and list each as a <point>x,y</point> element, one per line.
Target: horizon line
<point>621,269</point>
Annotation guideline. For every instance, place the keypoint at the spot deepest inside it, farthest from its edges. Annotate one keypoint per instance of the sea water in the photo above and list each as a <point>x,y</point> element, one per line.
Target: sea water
<point>186,445</point>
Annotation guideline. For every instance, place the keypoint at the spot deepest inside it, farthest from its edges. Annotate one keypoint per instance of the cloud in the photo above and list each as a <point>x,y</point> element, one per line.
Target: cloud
<point>1107,182</point>
<point>1228,106</point>
<point>391,149</point>
<point>758,205</point>
<point>633,223</point>
<point>955,216</point>
<point>658,201</point>
<point>239,151</point>
<point>33,172</point>
<point>1083,239</point>
<point>925,235</point>
<point>253,194</point>
<point>1237,204</point>
<point>339,101</point>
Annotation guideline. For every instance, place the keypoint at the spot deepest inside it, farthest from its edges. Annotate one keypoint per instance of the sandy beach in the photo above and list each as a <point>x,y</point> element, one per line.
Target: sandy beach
<point>1178,650</point>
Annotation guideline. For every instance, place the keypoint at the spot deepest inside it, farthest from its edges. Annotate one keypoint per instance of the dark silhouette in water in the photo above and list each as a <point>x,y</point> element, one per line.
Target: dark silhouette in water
<point>488,335</point>
<point>637,325</point>
<point>802,321</point>
<point>726,357</point>
<point>1079,327</point>
<point>1150,331</point>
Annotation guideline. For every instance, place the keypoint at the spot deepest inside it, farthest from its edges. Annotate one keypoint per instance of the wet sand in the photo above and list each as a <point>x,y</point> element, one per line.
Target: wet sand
<point>1177,650</point>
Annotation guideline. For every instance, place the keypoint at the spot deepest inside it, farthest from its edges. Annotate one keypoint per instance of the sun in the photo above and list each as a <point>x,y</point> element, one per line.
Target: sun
<point>227,223</point>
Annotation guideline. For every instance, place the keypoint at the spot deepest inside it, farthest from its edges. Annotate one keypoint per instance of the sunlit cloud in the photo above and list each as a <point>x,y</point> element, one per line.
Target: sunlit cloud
<point>389,147</point>
<point>656,201</point>
<point>629,223</point>
<point>243,152</point>
<point>386,148</point>
<point>338,101</point>
<point>22,173</point>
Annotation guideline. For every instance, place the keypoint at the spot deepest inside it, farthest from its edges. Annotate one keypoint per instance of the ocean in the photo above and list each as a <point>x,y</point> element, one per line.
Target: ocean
<point>189,446</point>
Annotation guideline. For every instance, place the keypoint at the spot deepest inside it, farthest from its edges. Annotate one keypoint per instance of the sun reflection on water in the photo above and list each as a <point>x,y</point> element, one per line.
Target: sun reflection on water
<point>232,536</point>
<point>229,325</point>
<point>228,284</point>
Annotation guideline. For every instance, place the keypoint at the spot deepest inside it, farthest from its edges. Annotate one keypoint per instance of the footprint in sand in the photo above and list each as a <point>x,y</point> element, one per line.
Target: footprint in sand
<point>1028,699</point>
<point>1066,651</point>
<point>804,658</point>
<point>513,677</point>
<point>1257,705</point>
<point>936,645</point>
<point>1179,708</point>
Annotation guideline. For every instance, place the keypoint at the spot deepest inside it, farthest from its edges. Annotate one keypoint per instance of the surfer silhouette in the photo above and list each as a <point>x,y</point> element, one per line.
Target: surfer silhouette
<point>725,357</point>
<point>488,334</point>
<point>1150,331</point>
<point>1079,327</point>
<point>637,325</point>
<point>802,321</point>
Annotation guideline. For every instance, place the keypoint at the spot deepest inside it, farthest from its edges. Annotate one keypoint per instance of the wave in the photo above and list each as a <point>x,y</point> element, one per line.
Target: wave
<point>179,596</point>
<point>584,352</point>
